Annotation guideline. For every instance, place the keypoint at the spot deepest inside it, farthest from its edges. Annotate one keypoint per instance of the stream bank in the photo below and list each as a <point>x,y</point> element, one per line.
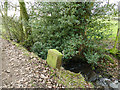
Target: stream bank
<point>99,78</point>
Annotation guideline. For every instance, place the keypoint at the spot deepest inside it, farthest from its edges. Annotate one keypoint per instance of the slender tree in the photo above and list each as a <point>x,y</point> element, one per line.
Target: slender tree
<point>25,18</point>
<point>5,17</point>
<point>114,50</point>
<point>118,34</point>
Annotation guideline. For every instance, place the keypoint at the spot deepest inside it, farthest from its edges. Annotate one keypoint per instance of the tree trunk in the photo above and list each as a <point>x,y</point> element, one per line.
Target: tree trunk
<point>118,32</point>
<point>117,39</point>
<point>22,34</point>
<point>6,7</point>
<point>25,17</point>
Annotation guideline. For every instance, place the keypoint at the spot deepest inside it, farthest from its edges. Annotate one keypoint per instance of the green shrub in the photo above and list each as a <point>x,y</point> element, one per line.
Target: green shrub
<point>40,49</point>
<point>92,57</point>
<point>68,27</point>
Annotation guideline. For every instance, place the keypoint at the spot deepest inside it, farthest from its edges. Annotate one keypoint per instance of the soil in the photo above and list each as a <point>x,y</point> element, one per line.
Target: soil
<point>23,71</point>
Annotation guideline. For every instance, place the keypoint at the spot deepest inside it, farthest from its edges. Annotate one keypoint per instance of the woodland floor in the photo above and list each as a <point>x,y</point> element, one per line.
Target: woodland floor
<point>23,71</point>
<point>20,70</point>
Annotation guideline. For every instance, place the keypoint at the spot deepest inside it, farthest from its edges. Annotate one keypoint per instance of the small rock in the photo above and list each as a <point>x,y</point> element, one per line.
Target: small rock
<point>8,71</point>
<point>34,58</point>
<point>49,86</point>
<point>11,59</point>
<point>37,76</point>
<point>23,73</point>
<point>42,76</point>
<point>28,68</point>
<point>48,82</point>
<point>54,86</point>
<point>40,80</point>
<point>44,71</point>
<point>12,64</point>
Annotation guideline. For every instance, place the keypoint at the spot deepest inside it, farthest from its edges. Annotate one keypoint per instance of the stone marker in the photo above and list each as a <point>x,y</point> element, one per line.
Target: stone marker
<point>54,58</point>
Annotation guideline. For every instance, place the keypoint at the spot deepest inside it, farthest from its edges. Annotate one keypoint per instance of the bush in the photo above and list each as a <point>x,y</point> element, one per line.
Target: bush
<point>71,28</point>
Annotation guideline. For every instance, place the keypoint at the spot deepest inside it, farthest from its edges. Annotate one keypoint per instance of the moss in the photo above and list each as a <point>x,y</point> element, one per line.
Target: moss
<point>72,80</point>
<point>14,43</point>
<point>33,85</point>
<point>26,54</point>
<point>109,58</point>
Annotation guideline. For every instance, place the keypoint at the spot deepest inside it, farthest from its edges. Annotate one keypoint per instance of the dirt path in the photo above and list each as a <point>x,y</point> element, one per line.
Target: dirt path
<point>19,70</point>
<point>0,65</point>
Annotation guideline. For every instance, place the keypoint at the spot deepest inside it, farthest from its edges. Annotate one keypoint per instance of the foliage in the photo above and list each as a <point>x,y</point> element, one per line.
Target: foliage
<point>107,57</point>
<point>59,29</point>
<point>72,28</point>
<point>113,51</point>
<point>16,29</point>
<point>13,26</point>
<point>92,57</point>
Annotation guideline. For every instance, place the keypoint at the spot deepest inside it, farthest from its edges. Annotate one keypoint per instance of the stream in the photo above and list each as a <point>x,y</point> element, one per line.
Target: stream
<point>95,76</point>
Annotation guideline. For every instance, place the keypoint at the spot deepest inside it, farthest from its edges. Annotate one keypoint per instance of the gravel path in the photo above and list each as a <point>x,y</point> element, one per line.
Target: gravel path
<point>21,71</point>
